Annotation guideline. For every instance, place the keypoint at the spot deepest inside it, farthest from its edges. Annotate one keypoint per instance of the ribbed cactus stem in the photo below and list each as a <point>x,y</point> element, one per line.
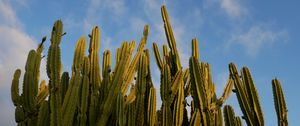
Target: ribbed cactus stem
<point>95,75</point>
<point>72,95</point>
<point>84,93</point>
<point>42,94</point>
<point>247,96</point>
<point>252,95</point>
<point>15,96</point>
<point>29,90</point>
<point>132,68</point>
<point>53,71</point>
<point>151,113</point>
<point>157,56</point>
<point>120,111</point>
<point>230,118</point>
<point>170,38</point>
<point>64,85</point>
<point>118,78</point>
<point>141,90</point>
<point>195,50</point>
<point>43,115</point>
<point>106,70</point>
<point>279,102</point>
<point>179,105</point>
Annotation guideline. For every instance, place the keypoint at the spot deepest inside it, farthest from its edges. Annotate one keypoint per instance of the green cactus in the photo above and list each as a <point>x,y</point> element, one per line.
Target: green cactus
<point>124,94</point>
<point>94,76</point>
<point>84,92</point>
<point>71,100</point>
<point>230,118</point>
<point>15,96</point>
<point>53,71</point>
<point>43,115</point>
<point>247,96</point>
<point>64,85</point>
<point>151,112</point>
<point>279,103</point>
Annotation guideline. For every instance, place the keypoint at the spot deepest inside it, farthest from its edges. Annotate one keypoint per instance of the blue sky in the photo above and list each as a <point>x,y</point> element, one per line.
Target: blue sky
<point>263,35</point>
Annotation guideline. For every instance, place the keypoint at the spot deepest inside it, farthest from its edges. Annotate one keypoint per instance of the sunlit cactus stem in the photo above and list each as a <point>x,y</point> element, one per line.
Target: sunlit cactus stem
<point>54,73</point>
<point>279,102</point>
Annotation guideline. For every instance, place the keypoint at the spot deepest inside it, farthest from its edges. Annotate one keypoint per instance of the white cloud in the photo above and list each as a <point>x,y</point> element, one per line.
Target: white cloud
<point>233,8</point>
<point>258,37</point>
<point>15,45</point>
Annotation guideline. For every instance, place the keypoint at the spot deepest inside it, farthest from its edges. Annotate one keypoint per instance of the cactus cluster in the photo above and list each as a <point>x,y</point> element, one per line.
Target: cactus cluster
<point>124,95</point>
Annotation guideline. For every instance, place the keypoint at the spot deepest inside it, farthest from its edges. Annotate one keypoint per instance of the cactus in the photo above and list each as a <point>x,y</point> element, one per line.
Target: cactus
<point>71,100</point>
<point>279,103</point>
<point>151,113</point>
<point>28,103</point>
<point>247,96</point>
<point>230,118</point>
<point>53,71</point>
<point>124,94</point>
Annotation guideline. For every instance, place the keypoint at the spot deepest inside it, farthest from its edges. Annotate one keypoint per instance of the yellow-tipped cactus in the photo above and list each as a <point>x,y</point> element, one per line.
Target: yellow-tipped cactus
<point>124,94</point>
<point>279,103</point>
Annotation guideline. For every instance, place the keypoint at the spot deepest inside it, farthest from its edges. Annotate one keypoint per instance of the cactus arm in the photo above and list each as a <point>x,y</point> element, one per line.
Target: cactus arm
<point>195,50</point>
<point>15,96</point>
<point>226,93</point>
<point>253,96</point>
<point>199,89</point>
<point>229,116</point>
<point>95,75</point>
<point>179,105</point>
<point>141,90</point>
<point>176,85</point>
<point>53,72</point>
<point>42,94</point>
<point>132,68</point>
<point>166,115</point>
<point>170,37</point>
<point>84,92</point>
<point>241,95</point>
<point>157,56</point>
<point>64,85</point>
<point>29,83</point>
<point>43,115</point>
<point>72,95</point>
<point>105,84</point>
<point>132,95</point>
<point>195,119</point>
<point>117,82</point>
<point>165,85</point>
<point>279,102</point>
<point>120,110</point>
<point>151,114</point>
<point>165,51</point>
<point>19,114</point>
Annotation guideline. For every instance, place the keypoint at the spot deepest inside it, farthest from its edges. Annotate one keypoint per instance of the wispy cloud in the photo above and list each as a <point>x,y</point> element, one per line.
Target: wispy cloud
<point>15,45</point>
<point>7,14</point>
<point>257,37</point>
<point>233,8</point>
